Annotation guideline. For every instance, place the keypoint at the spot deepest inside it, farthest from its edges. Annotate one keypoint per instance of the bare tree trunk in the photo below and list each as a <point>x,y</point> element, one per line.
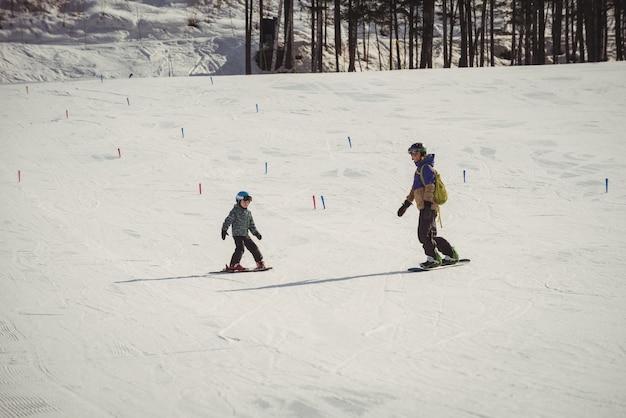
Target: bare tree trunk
<point>471,41</point>
<point>540,47</point>
<point>314,43</point>
<point>426,59</point>
<point>412,33</point>
<point>619,41</point>
<point>446,63</point>
<point>288,58</point>
<point>567,32</point>
<point>320,44</point>
<point>528,32</point>
<point>557,24</point>
<point>248,36</point>
<point>352,27</point>
<point>464,32</point>
<point>337,32</point>
<point>580,40</point>
<point>397,32</point>
<point>492,44</point>
<point>514,24</point>
<point>483,24</point>
<point>451,32</point>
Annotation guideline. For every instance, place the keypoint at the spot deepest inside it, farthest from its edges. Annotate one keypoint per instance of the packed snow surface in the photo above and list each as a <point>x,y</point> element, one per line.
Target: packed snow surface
<point>113,196</point>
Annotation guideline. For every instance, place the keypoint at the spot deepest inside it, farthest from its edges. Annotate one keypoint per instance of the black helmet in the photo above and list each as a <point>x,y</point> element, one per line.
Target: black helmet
<point>417,147</point>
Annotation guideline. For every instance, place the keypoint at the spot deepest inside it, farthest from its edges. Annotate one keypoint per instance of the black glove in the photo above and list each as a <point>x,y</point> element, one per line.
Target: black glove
<point>224,233</point>
<point>428,205</point>
<point>404,207</point>
<point>258,235</point>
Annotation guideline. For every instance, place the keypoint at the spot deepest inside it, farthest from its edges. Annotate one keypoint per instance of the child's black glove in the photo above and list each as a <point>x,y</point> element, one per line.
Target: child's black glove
<point>258,235</point>
<point>224,233</point>
<point>404,207</point>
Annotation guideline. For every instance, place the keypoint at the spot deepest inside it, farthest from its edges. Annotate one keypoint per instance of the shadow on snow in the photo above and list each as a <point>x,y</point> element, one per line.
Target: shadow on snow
<point>317,281</point>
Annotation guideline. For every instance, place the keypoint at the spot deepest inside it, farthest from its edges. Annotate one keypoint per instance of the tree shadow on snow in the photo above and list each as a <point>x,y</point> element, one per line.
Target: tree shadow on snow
<point>317,281</point>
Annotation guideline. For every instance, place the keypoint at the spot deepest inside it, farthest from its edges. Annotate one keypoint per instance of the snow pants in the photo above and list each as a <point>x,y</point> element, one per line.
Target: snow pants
<point>427,234</point>
<point>240,243</point>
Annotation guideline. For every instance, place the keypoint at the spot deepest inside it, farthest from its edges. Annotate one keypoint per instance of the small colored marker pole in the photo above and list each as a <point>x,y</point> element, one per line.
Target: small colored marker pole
<point>606,182</point>
<point>101,78</point>
<point>19,176</point>
<point>350,142</point>
<point>67,114</point>
<point>119,153</point>
<point>314,206</point>
<point>323,203</point>
<point>257,108</point>
<point>182,132</point>
<point>26,89</point>
<point>266,167</point>
<point>211,77</point>
<point>200,187</point>
<point>463,176</point>
<point>128,101</point>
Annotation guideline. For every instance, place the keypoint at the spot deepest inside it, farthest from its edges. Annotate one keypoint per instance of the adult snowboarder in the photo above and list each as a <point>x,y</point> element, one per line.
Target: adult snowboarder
<point>422,193</point>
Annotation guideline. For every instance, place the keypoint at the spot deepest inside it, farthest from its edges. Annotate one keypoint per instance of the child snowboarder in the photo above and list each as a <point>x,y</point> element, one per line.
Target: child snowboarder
<point>422,193</point>
<point>241,220</point>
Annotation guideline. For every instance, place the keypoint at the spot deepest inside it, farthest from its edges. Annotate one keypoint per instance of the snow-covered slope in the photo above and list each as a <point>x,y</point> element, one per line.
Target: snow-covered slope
<point>106,307</point>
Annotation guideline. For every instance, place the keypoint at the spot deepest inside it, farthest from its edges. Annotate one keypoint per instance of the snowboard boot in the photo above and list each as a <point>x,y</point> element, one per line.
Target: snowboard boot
<point>448,260</point>
<point>260,265</point>
<point>432,262</point>
<point>236,267</point>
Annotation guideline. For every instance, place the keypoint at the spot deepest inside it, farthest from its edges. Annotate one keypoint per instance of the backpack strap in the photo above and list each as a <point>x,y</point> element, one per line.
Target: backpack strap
<point>422,175</point>
<point>424,183</point>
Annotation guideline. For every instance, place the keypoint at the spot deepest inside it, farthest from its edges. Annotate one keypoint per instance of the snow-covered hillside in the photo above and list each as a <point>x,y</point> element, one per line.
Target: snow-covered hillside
<point>115,39</point>
<point>88,39</point>
<point>106,307</point>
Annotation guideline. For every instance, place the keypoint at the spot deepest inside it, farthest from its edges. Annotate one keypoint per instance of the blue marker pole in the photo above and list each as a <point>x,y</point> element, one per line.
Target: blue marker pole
<point>182,131</point>
<point>463,176</point>
<point>211,77</point>
<point>257,108</point>
<point>350,142</point>
<point>323,203</point>
<point>266,167</point>
<point>607,185</point>
<point>128,101</point>
<point>101,78</point>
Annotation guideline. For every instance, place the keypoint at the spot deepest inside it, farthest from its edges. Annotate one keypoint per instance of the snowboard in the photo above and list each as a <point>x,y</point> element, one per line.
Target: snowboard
<point>461,262</point>
<point>255,270</point>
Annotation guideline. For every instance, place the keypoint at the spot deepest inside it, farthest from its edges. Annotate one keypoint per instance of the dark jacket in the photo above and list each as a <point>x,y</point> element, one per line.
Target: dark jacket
<point>241,220</point>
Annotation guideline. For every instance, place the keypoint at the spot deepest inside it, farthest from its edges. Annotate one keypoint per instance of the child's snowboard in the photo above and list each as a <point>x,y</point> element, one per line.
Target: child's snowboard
<point>226,270</point>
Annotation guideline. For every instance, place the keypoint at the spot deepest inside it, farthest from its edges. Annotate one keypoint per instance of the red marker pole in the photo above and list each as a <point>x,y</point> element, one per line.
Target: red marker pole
<point>200,187</point>
<point>119,153</point>
<point>19,176</point>
<point>314,206</point>
<point>67,114</point>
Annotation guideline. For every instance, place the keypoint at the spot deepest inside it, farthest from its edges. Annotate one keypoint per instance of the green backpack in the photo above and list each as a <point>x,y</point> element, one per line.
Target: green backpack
<point>441,195</point>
